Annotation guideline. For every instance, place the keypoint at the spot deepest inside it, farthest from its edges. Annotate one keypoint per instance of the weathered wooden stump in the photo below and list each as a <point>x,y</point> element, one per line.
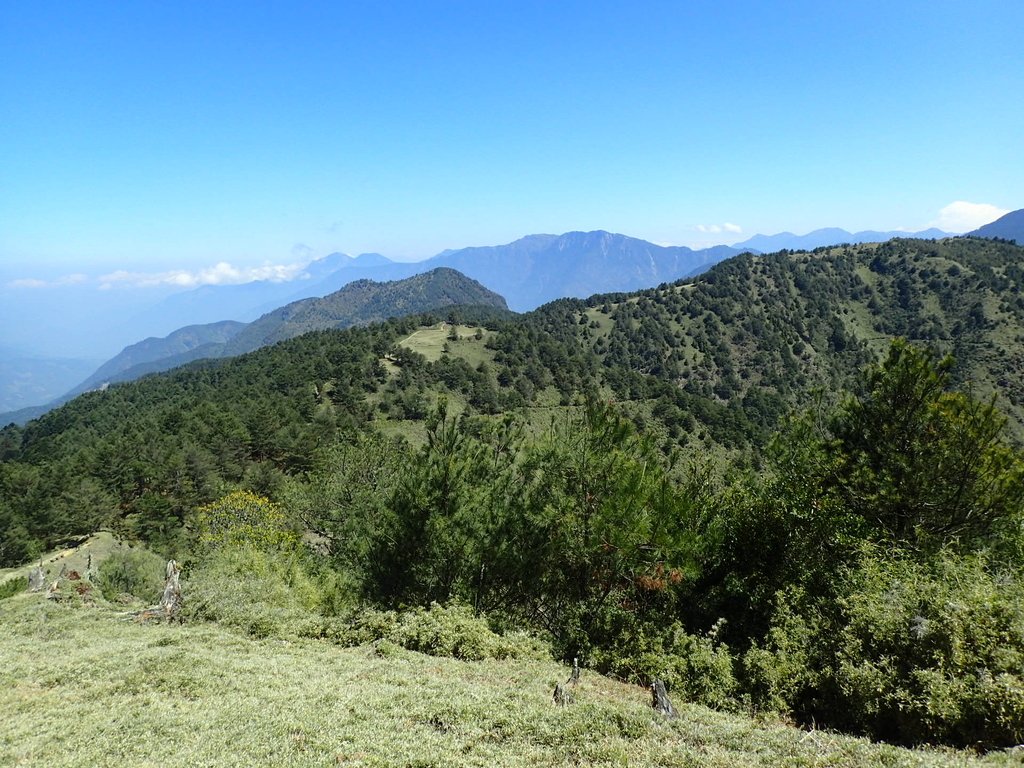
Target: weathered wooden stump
<point>36,579</point>
<point>574,678</point>
<point>661,701</point>
<point>171,600</point>
<point>562,697</point>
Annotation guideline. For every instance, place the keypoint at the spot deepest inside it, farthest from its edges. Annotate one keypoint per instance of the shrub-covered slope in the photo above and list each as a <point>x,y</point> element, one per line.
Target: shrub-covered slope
<point>716,360</point>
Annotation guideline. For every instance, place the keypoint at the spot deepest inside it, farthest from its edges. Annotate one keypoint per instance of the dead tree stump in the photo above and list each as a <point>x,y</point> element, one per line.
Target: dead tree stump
<point>171,600</point>
<point>36,579</point>
<point>170,603</point>
<point>661,701</point>
<point>574,678</point>
<point>562,697</point>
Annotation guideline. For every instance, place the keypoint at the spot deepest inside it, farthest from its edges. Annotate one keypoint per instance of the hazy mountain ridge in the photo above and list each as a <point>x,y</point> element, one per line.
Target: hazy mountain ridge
<point>536,269</point>
<point>528,272</point>
<point>358,303</point>
<point>1008,227</point>
<point>829,236</point>
<point>181,342</point>
<point>540,268</point>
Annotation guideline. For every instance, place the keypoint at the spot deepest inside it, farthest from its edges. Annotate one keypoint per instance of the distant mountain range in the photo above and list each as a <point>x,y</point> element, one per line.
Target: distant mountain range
<point>528,272</point>
<point>1008,227</point>
<point>358,303</point>
<point>540,268</point>
<point>828,236</point>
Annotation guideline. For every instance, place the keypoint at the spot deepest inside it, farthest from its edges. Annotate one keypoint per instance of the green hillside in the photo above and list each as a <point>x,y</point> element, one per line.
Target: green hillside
<point>359,303</point>
<point>364,302</point>
<point>737,483</point>
<point>82,684</point>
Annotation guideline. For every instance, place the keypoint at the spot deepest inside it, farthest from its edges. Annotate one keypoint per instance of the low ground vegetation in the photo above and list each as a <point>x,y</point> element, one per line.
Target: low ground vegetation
<point>81,683</point>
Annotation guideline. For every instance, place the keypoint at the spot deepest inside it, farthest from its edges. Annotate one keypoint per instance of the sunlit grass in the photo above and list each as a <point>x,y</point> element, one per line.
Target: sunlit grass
<point>431,342</point>
<point>81,685</point>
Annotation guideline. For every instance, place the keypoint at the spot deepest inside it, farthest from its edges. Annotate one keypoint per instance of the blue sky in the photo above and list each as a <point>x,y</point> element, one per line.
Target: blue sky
<point>171,137</point>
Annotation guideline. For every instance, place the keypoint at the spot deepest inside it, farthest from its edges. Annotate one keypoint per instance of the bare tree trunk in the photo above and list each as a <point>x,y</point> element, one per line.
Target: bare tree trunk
<point>170,603</point>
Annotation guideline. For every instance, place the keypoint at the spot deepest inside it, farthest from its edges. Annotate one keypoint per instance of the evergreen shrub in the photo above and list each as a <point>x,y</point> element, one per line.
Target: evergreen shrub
<point>136,572</point>
<point>263,593</point>
<point>440,630</point>
<point>696,668</point>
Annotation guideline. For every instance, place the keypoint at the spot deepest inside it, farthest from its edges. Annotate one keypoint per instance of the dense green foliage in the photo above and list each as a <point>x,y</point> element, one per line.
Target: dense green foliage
<point>135,573</point>
<point>618,474</point>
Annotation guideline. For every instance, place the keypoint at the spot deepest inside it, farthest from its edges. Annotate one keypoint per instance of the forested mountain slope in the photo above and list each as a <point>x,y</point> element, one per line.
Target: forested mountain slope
<point>358,303</point>
<point>363,302</point>
<point>716,360</point>
<point>784,323</point>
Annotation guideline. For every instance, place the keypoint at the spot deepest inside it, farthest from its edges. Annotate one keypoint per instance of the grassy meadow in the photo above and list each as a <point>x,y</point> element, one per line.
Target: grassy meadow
<point>82,683</point>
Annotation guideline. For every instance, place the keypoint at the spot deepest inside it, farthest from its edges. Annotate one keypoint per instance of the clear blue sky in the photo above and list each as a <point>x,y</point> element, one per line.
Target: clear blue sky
<point>159,135</point>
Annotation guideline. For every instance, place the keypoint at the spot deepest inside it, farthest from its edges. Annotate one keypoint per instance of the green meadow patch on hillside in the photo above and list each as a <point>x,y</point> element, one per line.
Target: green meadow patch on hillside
<point>432,341</point>
<point>82,685</point>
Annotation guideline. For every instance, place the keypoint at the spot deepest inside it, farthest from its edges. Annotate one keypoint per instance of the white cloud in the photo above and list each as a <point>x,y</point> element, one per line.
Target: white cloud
<point>961,216</point>
<point>28,282</point>
<point>717,229</point>
<point>221,273</point>
<point>31,282</point>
